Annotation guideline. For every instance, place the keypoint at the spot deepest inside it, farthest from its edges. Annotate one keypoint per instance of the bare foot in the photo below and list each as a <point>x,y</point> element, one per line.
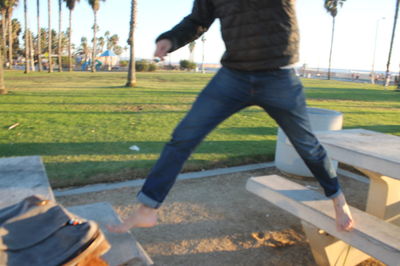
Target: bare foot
<point>344,220</point>
<point>143,217</point>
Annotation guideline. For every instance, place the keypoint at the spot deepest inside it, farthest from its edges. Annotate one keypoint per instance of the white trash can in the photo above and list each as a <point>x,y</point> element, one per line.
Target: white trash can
<point>286,157</point>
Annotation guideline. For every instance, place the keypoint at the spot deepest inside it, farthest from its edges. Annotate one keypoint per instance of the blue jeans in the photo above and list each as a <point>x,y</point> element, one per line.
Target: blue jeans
<point>278,92</point>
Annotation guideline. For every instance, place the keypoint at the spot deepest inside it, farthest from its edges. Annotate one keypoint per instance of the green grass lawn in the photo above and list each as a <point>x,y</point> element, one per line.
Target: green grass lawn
<point>82,124</point>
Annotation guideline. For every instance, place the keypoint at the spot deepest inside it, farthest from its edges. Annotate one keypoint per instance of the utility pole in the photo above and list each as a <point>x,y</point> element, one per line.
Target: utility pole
<point>374,54</point>
<point>203,39</point>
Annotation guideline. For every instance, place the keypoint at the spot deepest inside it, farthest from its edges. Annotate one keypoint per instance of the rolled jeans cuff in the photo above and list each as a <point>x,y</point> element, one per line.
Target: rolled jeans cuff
<point>149,202</point>
<point>334,195</point>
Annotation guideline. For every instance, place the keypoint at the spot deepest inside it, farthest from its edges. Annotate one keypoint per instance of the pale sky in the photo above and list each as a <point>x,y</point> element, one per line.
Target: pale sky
<point>355,35</point>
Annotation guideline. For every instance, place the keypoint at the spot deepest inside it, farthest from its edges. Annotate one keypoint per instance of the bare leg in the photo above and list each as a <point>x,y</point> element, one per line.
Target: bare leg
<point>143,217</point>
<point>344,220</point>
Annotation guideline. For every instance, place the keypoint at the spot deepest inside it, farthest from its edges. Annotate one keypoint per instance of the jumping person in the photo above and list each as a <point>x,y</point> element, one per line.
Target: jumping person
<point>262,40</point>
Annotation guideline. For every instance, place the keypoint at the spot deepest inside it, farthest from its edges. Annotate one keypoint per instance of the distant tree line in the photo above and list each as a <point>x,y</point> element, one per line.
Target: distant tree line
<point>49,43</point>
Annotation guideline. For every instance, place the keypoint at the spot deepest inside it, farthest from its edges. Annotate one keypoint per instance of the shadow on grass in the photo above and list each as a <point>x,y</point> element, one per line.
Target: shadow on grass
<point>111,112</point>
<point>67,174</point>
<point>133,104</point>
<point>371,95</point>
<point>389,129</point>
<point>249,130</point>
<point>133,109</point>
<point>115,87</point>
<point>95,94</point>
<point>373,112</point>
<point>95,167</point>
<point>122,148</point>
<point>165,92</point>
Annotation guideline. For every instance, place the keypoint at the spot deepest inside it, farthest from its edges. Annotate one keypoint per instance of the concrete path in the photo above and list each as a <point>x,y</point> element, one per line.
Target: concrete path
<point>139,182</point>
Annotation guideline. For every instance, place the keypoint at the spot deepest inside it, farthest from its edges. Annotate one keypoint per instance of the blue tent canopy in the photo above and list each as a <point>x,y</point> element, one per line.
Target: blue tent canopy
<point>108,53</point>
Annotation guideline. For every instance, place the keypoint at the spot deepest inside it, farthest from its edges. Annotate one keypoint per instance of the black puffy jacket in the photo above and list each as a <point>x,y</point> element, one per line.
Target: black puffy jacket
<point>258,34</point>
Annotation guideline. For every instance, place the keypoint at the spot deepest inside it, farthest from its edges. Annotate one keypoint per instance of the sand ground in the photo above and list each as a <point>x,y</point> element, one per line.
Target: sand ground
<point>216,221</point>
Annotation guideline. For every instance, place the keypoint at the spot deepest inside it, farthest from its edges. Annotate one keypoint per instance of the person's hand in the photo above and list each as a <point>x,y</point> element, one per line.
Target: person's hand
<point>162,48</point>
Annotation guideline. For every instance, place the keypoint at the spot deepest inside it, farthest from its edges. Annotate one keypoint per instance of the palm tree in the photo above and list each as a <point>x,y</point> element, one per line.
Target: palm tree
<point>107,37</point>
<point>50,41</point>
<point>16,29</point>
<point>131,82</point>
<point>191,45</point>
<point>387,78</point>
<point>59,36</point>
<point>10,4</point>
<point>43,40</point>
<point>331,7</point>
<point>71,5</point>
<point>39,43</point>
<point>84,49</point>
<point>3,10</point>
<point>100,44</point>
<point>3,89</point>
<point>95,4</point>
<point>32,51</point>
<point>118,49</point>
<point>112,42</point>
<point>27,33</point>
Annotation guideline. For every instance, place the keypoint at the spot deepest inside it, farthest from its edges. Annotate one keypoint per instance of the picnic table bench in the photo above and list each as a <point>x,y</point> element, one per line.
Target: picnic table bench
<point>21,177</point>
<point>377,230</point>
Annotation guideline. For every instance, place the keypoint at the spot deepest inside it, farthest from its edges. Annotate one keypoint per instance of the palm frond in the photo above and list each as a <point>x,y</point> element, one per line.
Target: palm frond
<point>70,4</point>
<point>331,6</point>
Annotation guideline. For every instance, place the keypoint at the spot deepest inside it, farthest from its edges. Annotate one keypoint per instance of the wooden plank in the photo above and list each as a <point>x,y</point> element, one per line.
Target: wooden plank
<point>371,235</point>
<point>21,177</point>
<point>124,247</point>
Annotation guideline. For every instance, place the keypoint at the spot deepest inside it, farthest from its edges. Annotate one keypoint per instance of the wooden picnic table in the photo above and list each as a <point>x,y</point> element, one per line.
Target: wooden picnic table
<point>377,155</point>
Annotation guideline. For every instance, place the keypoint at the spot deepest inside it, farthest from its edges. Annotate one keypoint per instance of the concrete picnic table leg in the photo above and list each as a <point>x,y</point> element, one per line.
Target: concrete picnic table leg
<point>383,196</point>
<point>383,202</point>
<point>328,250</point>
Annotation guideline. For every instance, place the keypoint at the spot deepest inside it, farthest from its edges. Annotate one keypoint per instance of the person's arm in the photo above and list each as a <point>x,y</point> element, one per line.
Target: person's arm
<point>191,27</point>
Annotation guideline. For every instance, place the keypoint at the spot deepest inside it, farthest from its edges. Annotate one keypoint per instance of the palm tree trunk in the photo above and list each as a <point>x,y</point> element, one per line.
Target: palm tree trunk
<point>50,37</point>
<point>10,40</point>
<point>70,41</point>
<point>3,89</point>
<point>26,38</point>
<point>131,82</point>
<point>330,52</point>
<point>31,52</point>
<point>3,32</point>
<point>39,46</point>
<point>59,36</point>
<point>94,42</point>
<point>387,77</point>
